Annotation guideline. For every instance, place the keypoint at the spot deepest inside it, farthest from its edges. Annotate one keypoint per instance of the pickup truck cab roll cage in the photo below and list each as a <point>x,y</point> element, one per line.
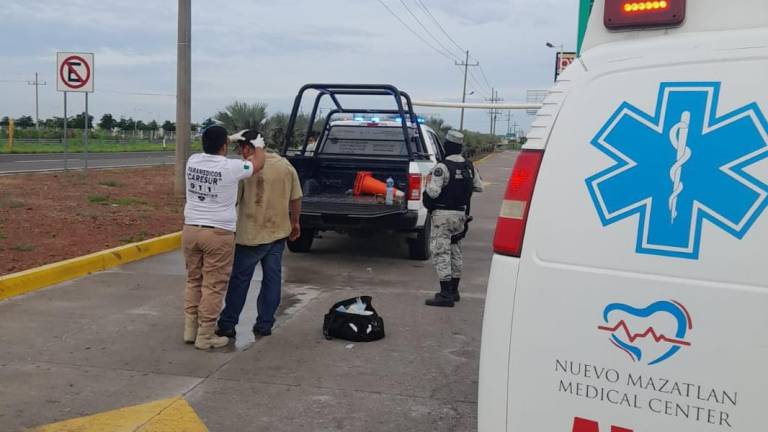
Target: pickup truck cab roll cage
<point>404,112</point>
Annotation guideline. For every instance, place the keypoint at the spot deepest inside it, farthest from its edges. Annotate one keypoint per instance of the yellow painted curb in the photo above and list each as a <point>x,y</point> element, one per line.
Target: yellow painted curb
<point>34,279</point>
<point>484,158</point>
<point>167,415</point>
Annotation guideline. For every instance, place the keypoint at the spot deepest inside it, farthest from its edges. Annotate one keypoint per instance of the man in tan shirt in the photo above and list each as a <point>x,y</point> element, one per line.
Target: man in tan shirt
<point>269,206</point>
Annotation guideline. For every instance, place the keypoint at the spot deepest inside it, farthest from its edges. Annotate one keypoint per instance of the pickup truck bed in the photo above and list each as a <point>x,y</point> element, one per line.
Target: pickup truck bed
<point>343,204</point>
<point>328,203</point>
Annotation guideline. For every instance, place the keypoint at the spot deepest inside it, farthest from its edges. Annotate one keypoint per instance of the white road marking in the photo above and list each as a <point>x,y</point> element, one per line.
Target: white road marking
<point>37,161</point>
<point>80,167</point>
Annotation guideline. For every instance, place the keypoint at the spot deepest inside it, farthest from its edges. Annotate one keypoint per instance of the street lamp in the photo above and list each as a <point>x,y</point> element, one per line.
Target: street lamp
<point>559,57</point>
<point>559,47</point>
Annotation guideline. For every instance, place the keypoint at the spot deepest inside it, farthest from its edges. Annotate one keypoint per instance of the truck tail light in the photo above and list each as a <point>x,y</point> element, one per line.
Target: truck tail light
<point>510,227</point>
<point>643,13</point>
<point>414,187</point>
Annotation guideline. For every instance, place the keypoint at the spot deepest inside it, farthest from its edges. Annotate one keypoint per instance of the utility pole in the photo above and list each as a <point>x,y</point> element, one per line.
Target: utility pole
<point>494,113</point>
<point>492,100</point>
<point>37,85</point>
<point>466,65</point>
<point>183,92</point>
<point>498,113</point>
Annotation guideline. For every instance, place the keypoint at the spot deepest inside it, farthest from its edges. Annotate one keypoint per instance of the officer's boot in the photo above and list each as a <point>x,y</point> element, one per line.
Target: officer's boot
<point>190,328</point>
<point>207,339</point>
<point>455,289</point>
<point>443,298</point>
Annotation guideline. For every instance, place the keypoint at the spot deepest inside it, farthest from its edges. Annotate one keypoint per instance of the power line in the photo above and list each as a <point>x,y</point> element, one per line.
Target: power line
<point>481,84</point>
<point>485,78</point>
<point>426,42</point>
<point>426,9</point>
<point>471,87</point>
<point>423,27</point>
<point>478,84</point>
<point>482,71</point>
<point>447,53</point>
<point>442,29</point>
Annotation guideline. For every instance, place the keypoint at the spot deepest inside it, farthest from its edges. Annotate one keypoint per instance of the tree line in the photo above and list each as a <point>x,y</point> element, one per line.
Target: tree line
<point>234,117</point>
<point>107,123</point>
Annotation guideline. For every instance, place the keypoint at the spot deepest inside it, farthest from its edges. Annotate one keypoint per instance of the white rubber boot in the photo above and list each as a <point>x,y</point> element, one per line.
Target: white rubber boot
<point>190,328</point>
<point>207,339</point>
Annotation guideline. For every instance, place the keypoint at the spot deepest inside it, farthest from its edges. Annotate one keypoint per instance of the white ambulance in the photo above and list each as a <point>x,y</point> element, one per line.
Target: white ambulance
<point>629,285</point>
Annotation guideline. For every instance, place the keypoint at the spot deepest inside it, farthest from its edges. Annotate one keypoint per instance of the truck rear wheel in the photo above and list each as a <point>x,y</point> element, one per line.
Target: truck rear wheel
<point>304,242</point>
<point>420,248</point>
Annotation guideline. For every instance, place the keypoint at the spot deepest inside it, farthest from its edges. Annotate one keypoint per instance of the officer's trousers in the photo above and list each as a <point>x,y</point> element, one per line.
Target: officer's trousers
<point>447,257</point>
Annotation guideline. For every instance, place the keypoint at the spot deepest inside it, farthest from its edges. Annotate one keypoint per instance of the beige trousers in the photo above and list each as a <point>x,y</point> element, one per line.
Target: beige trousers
<point>208,254</point>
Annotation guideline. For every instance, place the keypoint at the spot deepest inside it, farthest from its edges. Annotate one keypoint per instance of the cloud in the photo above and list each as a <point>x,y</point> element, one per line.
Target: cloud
<point>111,57</point>
<point>108,57</point>
<point>86,15</point>
<point>477,12</point>
<point>265,50</point>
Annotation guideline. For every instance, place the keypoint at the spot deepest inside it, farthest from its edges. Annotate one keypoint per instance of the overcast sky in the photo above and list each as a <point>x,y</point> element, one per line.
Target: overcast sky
<point>258,50</point>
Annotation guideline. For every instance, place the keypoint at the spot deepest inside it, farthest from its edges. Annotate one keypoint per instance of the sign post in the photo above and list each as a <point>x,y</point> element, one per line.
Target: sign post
<point>66,148</point>
<point>11,126</point>
<point>85,135</point>
<point>74,73</point>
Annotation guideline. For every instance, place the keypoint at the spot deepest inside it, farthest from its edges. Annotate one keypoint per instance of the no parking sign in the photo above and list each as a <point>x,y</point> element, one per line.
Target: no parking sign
<point>74,72</point>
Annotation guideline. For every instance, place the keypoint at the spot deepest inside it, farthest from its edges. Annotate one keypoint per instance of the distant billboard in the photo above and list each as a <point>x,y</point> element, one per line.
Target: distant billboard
<point>562,61</point>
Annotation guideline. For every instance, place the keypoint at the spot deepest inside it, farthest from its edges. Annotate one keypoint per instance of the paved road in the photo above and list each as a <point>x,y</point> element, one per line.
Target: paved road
<point>16,163</point>
<point>112,340</point>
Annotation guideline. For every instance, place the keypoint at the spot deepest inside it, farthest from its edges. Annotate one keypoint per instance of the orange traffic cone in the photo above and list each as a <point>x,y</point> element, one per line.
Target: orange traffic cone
<point>366,184</point>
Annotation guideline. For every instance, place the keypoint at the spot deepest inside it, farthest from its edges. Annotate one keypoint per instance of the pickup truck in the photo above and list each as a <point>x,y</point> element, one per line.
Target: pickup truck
<point>352,142</point>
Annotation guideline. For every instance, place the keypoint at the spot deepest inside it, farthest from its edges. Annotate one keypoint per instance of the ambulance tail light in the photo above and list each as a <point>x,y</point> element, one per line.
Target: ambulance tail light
<point>620,14</point>
<point>510,227</point>
<point>414,187</point>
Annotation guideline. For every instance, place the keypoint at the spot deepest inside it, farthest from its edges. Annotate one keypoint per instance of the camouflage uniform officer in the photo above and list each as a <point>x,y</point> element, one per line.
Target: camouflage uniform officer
<point>449,192</point>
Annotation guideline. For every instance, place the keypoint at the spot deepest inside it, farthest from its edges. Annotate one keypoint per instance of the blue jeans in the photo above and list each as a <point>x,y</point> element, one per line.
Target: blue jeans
<point>270,256</point>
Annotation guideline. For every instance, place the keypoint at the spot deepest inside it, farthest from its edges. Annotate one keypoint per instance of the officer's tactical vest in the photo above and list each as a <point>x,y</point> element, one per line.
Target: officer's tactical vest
<point>458,193</point>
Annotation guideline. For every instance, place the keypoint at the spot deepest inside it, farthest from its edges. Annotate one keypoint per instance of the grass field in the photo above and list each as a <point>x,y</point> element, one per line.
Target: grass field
<point>75,145</point>
<point>49,217</point>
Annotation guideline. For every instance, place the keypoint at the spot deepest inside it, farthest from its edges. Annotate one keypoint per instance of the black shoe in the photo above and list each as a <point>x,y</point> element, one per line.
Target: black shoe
<point>230,333</point>
<point>257,332</point>
<point>455,289</point>
<point>443,298</point>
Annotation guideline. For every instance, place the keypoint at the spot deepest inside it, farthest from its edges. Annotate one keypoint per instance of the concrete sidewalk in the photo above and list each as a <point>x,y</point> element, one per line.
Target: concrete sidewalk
<point>113,340</point>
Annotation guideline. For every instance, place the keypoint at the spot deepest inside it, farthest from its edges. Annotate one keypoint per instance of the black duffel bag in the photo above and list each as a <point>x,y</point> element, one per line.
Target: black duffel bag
<point>353,327</point>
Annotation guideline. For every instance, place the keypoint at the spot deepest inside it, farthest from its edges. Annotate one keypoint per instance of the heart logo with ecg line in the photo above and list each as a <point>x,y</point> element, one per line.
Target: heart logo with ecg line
<point>652,334</point>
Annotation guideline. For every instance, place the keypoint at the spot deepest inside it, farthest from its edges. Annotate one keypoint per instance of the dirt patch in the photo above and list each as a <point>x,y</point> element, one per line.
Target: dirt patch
<point>50,217</point>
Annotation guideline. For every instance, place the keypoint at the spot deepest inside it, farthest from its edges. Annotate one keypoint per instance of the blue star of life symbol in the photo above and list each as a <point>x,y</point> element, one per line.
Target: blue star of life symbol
<point>680,166</point>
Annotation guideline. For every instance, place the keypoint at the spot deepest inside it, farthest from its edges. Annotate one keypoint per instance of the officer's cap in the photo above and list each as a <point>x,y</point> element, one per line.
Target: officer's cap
<point>455,137</point>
